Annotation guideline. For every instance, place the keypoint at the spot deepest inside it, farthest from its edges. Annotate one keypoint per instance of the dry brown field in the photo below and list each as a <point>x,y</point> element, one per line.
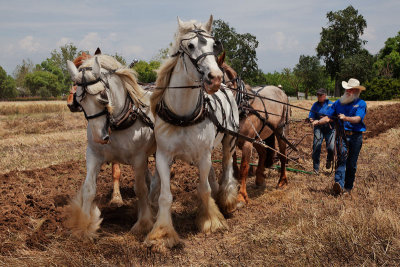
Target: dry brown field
<point>42,165</point>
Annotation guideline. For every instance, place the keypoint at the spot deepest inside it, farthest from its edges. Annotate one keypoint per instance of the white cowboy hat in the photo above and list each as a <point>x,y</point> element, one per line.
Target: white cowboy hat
<point>352,83</point>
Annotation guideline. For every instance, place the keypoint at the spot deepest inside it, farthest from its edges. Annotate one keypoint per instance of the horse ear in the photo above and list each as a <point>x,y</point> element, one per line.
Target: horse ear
<point>73,71</point>
<point>221,59</point>
<point>209,24</point>
<point>98,51</point>
<point>96,68</point>
<point>180,23</point>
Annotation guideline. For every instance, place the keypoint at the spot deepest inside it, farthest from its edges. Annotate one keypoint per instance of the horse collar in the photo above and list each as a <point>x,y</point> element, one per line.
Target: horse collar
<point>198,115</point>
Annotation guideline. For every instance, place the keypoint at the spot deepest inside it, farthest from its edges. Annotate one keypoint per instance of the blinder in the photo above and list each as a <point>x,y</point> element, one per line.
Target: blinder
<point>103,95</point>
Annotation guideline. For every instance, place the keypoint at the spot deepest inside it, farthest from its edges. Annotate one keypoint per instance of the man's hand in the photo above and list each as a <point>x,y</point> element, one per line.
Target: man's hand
<point>316,122</point>
<point>342,117</point>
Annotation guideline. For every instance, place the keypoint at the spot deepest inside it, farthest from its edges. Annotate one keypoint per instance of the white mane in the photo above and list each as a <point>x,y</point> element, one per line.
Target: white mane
<point>128,77</point>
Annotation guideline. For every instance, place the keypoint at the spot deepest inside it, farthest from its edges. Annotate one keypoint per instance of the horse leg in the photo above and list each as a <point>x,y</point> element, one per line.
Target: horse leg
<point>209,218</point>
<point>145,217</point>
<point>282,149</point>
<point>213,183</point>
<point>116,195</point>
<point>154,193</point>
<point>262,156</point>
<point>84,216</point>
<point>163,232</point>
<point>227,196</point>
<point>244,171</point>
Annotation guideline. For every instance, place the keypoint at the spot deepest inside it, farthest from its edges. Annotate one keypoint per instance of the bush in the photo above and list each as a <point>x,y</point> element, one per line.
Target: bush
<point>382,89</point>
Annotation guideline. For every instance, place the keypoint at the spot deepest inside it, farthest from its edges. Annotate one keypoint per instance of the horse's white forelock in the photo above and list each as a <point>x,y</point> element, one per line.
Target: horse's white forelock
<point>127,76</point>
<point>164,72</point>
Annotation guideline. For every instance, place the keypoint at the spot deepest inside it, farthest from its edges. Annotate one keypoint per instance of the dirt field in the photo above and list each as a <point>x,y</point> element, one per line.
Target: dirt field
<point>42,166</point>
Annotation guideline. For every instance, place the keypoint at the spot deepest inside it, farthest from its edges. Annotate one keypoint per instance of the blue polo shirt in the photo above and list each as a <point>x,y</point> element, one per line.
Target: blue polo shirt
<point>356,108</point>
<point>319,108</point>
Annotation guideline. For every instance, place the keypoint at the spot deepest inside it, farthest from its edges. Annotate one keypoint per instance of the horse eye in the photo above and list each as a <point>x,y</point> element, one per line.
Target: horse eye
<point>218,47</point>
<point>191,46</point>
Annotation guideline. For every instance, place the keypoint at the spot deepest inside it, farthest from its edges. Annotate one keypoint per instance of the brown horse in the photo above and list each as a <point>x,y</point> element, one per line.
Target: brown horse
<point>116,198</point>
<point>260,119</point>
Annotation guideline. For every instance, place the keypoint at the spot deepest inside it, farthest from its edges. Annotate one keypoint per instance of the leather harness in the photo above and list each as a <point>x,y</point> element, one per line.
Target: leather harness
<point>129,114</point>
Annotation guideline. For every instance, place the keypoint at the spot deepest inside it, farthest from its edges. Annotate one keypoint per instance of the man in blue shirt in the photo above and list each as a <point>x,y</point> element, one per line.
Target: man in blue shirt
<point>321,132</point>
<point>350,110</point>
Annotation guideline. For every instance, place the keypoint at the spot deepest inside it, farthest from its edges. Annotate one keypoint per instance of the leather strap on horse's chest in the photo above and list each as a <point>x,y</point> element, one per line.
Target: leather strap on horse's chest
<point>128,117</point>
<point>168,116</point>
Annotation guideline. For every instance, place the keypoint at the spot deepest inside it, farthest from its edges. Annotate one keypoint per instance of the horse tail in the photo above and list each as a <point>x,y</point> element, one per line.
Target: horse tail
<point>269,160</point>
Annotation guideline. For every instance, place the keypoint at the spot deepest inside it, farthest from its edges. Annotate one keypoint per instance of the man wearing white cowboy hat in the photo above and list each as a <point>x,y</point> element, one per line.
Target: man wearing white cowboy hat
<point>350,110</point>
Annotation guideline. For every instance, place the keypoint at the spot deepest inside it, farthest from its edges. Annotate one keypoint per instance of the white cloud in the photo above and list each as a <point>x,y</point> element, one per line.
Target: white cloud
<point>63,41</point>
<point>91,41</point>
<point>279,41</point>
<point>29,44</point>
<point>130,50</point>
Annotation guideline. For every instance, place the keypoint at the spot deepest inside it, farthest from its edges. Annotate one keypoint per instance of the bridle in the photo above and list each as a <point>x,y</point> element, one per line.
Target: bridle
<point>200,112</point>
<point>127,116</point>
<point>201,35</point>
<point>84,85</point>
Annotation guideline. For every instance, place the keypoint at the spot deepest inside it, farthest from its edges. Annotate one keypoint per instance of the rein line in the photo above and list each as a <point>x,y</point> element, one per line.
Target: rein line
<point>277,101</point>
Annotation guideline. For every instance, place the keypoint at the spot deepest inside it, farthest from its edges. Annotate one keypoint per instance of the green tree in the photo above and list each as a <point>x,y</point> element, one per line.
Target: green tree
<point>240,50</point>
<point>147,71</point>
<point>388,62</point>
<point>42,83</point>
<point>7,85</point>
<point>311,73</point>
<point>59,60</point>
<point>120,59</point>
<point>163,53</point>
<point>22,70</point>
<point>292,83</point>
<point>358,66</point>
<point>382,89</point>
<point>340,40</point>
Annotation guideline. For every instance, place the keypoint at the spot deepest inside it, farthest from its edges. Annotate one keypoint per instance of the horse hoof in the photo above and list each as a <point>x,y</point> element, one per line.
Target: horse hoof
<point>142,227</point>
<point>282,184</point>
<point>162,237</point>
<point>116,202</point>
<point>240,204</point>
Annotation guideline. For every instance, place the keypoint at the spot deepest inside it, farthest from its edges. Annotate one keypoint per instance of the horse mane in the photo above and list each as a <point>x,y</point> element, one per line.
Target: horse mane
<point>167,67</point>
<point>230,72</point>
<point>127,76</point>
<point>79,60</point>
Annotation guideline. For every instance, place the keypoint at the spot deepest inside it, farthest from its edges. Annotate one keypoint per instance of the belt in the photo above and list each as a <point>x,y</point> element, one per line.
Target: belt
<point>346,132</point>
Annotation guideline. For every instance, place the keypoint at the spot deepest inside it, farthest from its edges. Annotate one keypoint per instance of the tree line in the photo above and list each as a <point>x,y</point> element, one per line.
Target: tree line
<point>340,55</point>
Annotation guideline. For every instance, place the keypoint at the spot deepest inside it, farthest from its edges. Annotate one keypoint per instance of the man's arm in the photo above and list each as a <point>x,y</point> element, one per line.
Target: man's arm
<point>355,119</point>
<point>321,121</point>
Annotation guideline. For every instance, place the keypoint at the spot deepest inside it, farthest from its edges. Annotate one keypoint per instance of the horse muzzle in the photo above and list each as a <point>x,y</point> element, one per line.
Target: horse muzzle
<point>212,83</point>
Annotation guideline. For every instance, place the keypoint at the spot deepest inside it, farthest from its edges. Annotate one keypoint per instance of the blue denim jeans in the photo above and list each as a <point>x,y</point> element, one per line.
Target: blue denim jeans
<point>321,133</point>
<point>347,160</point>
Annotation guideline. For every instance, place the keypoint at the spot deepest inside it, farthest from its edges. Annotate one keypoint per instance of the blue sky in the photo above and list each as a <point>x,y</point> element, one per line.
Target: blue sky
<point>139,29</point>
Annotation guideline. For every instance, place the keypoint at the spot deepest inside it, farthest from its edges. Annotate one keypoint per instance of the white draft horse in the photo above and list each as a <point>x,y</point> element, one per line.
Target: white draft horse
<point>188,86</point>
<point>116,198</point>
<point>107,92</point>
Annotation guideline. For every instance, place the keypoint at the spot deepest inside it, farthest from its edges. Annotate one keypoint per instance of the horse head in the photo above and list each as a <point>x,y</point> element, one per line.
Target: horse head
<point>93,95</point>
<point>195,42</point>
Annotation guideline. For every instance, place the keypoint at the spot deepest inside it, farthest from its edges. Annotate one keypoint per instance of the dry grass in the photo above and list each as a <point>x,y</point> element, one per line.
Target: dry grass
<point>303,224</point>
<point>29,107</point>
